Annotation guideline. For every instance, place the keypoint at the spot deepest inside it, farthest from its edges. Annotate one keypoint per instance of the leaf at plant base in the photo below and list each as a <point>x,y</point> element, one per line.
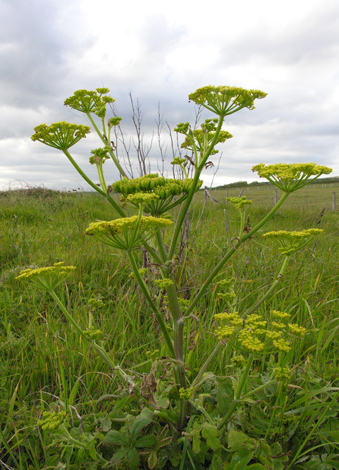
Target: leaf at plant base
<point>120,455</point>
<point>237,439</point>
<point>146,441</point>
<point>105,424</point>
<point>211,434</point>
<point>133,459</point>
<point>256,466</point>
<point>92,450</point>
<point>116,438</point>
<point>138,425</point>
<point>152,460</point>
<point>240,459</point>
<point>196,442</point>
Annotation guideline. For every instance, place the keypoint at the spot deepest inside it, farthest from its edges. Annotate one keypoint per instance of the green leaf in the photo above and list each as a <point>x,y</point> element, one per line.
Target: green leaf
<point>196,442</point>
<point>211,434</point>
<point>146,441</point>
<point>236,439</point>
<point>256,466</point>
<point>138,425</point>
<point>92,450</point>
<point>240,459</point>
<point>133,459</point>
<point>105,424</point>
<point>116,438</point>
<point>118,456</point>
<point>152,460</point>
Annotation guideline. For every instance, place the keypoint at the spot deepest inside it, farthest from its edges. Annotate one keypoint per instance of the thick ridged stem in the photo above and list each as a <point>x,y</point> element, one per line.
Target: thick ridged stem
<point>150,302</point>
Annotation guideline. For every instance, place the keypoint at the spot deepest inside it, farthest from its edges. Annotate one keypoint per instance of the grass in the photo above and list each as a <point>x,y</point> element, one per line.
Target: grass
<point>44,363</point>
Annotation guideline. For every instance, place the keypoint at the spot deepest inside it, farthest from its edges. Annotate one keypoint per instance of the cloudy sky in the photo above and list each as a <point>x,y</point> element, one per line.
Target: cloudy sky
<point>160,52</point>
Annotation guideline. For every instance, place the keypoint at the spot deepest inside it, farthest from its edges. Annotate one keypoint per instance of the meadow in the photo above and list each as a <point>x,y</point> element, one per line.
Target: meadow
<point>43,364</point>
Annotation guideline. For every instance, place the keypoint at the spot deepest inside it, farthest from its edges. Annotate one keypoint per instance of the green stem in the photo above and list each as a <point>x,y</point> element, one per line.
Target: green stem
<point>187,203</point>
<point>230,252</point>
<point>270,290</point>
<point>202,370</point>
<point>69,317</point>
<point>161,247</point>
<point>105,142</point>
<point>85,177</point>
<point>154,309</point>
<point>238,392</point>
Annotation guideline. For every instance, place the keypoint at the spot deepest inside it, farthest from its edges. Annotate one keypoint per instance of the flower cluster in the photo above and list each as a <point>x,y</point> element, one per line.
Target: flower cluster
<point>290,242</point>
<point>90,101</point>
<point>186,393</point>
<point>52,420</point>
<point>99,156</point>
<point>229,296</point>
<point>255,334</point>
<point>282,373</point>
<point>163,283</point>
<point>47,278</point>
<point>239,202</point>
<point>127,233</point>
<point>224,100</point>
<point>93,333</point>
<point>141,271</point>
<point>290,177</point>
<point>60,135</point>
<point>200,140</point>
<point>164,190</point>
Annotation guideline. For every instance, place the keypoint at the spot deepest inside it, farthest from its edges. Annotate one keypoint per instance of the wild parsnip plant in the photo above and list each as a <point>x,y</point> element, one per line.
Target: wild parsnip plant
<point>174,417</point>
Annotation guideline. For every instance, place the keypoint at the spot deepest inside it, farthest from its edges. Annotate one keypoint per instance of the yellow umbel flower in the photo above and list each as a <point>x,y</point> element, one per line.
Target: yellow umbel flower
<point>290,177</point>
<point>296,329</point>
<point>224,100</point>
<point>290,242</point>
<point>282,345</point>
<point>127,233</point>
<point>60,135</point>
<point>163,283</point>
<point>47,278</point>
<point>239,202</point>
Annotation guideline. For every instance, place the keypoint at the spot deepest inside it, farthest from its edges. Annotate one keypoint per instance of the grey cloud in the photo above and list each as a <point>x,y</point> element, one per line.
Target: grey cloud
<point>35,39</point>
<point>316,39</point>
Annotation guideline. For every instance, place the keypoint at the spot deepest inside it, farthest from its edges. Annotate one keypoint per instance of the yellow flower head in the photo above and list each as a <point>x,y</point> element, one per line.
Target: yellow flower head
<point>224,100</point>
<point>290,242</point>
<point>90,101</point>
<point>47,278</point>
<point>290,177</point>
<point>127,233</point>
<point>60,135</point>
<point>239,202</point>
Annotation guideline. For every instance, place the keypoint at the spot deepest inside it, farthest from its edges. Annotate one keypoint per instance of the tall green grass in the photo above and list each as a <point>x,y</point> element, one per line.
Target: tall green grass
<point>43,361</point>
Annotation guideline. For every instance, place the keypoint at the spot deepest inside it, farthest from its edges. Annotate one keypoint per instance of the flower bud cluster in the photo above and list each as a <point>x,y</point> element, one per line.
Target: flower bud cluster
<point>282,373</point>
<point>291,241</point>
<point>186,393</point>
<point>224,100</point>
<point>255,334</point>
<point>163,283</point>
<point>47,278</point>
<point>90,101</point>
<point>93,333</point>
<point>199,139</point>
<point>239,202</point>
<point>52,420</point>
<point>152,183</point>
<point>60,135</point>
<point>99,155</point>
<point>290,177</point>
<point>133,230</point>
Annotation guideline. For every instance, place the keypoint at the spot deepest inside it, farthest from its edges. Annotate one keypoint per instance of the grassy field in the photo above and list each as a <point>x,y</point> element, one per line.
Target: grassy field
<point>43,363</point>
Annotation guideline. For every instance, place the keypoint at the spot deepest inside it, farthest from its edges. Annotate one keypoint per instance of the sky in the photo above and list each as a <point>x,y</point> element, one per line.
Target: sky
<point>160,52</point>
